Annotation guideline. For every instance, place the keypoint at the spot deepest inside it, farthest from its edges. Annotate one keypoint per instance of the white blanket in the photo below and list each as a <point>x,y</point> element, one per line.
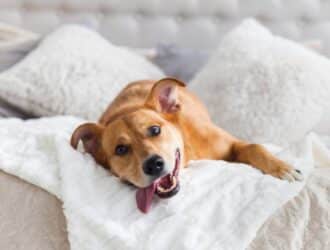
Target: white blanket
<point>220,205</point>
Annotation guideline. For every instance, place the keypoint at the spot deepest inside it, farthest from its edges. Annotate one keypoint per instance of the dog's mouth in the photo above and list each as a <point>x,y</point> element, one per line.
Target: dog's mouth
<point>165,187</point>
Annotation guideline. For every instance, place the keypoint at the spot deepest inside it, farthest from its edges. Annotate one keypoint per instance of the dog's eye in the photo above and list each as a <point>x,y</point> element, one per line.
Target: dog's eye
<point>121,150</point>
<point>154,130</point>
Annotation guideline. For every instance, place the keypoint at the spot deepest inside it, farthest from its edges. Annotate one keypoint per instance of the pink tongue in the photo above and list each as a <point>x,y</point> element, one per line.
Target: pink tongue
<point>144,197</point>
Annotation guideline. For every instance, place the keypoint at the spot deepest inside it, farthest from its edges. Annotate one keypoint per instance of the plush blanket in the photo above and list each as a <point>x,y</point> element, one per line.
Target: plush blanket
<point>304,222</point>
<point>221,205</point>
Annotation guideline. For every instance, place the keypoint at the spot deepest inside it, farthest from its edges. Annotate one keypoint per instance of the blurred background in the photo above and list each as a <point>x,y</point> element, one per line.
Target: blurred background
<point>194,24</point>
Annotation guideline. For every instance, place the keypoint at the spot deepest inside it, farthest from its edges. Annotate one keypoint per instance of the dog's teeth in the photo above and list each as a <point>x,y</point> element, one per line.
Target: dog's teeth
<point>163,190</point>
<point>173,180</point>
<point>160,189</point>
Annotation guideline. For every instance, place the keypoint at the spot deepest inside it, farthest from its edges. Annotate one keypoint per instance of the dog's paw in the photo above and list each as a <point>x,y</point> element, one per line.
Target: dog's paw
<point>286,172</point>
<point>292,175</point>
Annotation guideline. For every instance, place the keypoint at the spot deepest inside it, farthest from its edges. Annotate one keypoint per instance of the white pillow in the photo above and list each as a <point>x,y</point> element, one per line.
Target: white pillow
<point>264,88</point>
<point>73,71</point>
<point>15,43</point>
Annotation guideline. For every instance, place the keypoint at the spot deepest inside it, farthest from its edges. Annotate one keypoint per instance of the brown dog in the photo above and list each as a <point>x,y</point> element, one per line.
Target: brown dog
<point>153,128</point>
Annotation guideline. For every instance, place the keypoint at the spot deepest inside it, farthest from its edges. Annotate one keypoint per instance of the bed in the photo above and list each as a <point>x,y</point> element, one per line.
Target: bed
<point>33,217</point>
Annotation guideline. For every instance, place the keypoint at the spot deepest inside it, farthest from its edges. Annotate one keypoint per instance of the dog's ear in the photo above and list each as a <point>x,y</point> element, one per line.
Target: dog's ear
<point>163,96</point>
<point>90,134</point>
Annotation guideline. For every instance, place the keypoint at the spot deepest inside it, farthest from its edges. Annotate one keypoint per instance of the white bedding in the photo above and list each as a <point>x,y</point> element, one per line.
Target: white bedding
<point>304,222</point>
<point>234,201</point>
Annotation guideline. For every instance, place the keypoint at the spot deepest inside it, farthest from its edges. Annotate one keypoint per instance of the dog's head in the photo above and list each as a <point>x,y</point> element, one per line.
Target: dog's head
<point>142,146</point>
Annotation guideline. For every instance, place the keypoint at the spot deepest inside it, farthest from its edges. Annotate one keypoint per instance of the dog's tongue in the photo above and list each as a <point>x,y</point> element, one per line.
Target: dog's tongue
<point>144,197</point>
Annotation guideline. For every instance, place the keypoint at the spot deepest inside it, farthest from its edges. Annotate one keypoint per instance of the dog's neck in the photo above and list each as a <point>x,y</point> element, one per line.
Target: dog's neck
<point>196,139</point>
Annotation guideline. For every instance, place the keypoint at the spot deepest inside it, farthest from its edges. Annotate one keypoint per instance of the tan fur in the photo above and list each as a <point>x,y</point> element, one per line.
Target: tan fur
<point>186,126</point>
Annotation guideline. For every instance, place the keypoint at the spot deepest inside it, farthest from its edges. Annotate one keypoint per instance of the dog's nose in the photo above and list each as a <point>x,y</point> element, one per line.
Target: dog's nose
<point>154,165</point>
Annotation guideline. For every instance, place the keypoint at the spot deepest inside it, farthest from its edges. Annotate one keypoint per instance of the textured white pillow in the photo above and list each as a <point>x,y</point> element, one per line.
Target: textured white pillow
<point>264,88</point>
<point>73,71</point>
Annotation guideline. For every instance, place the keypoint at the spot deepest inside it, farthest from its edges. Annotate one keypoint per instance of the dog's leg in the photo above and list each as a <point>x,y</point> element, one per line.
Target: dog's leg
<point>258,157</point>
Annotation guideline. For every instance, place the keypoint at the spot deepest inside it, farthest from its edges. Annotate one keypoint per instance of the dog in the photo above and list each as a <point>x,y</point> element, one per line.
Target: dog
<point>152,129</point>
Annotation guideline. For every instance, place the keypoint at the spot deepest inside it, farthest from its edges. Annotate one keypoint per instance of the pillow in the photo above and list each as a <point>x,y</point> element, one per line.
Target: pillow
<point>15,43</point>
<point>184,63</point>
<point>264,88</point>
<point>73,71</point>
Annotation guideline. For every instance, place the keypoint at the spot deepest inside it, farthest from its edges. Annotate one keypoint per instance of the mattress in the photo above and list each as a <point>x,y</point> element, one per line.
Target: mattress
<point>30,217</point>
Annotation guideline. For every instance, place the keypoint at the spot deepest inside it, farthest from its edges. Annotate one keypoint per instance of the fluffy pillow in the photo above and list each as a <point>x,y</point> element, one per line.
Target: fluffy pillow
<point>73,71</point>
<point>264,88</point>
<point>15,43</point>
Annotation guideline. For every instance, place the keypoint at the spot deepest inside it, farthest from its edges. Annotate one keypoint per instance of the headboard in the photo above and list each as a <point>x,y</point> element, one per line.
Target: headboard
<point>187,23</point>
